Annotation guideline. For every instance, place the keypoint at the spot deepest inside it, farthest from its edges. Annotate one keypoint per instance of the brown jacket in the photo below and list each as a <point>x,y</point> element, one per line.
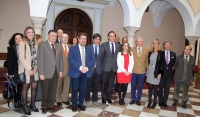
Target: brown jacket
<point>65,60</point>
<point>140,63</point>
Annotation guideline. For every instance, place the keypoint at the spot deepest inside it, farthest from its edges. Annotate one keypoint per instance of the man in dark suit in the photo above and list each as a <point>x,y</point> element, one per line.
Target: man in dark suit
<point>59,34</point>
<point>50,67</point>
<point>164,64</point>
<point>184,65</point>
<point>98,53</point>
<point>80,61</point>
<point>111,49</point>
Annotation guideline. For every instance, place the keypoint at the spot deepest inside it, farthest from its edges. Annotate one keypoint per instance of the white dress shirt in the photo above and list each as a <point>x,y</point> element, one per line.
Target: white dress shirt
<point>80,49</point>
<point>51,45</point>
<point>138,49</point>
<point>188,57</point>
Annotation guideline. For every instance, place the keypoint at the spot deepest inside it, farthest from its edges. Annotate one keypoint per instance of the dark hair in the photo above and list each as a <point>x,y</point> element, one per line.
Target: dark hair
<point>166,41</point>
<point>12,39</point>
<point>52,31</point>
<point>82,34</point>
<point>97,35</point>
<point>123,39</point>
<point>111,32</point>
<point>129,49</point>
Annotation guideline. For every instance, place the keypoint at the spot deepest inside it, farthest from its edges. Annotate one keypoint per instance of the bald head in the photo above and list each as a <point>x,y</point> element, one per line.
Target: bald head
<point>187,50</point>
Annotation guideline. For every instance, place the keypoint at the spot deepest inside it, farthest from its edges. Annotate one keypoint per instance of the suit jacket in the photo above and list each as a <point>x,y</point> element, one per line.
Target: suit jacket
<point>74,59</point>
<point>57,41</point>
<point>12,60</point>
<point>65,60</point>
<point>26,63</point>
<point>109,61</point>
<point>179,68</point>
<point>120,63</point>
<point>140,63</point>
<point>161,66</point>
<point>47,62</point>
<point>98,60</point>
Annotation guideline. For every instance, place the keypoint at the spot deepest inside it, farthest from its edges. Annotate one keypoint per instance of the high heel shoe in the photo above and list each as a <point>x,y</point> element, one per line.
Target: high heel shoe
<point>33,109</point>
<point>149,105</point>
<point>154,105</point>
<point>27,113</point>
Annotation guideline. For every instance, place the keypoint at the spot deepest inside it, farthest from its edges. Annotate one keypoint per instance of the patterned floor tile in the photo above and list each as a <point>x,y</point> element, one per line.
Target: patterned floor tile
<point>107,114</point>
<point>184,115</point>
<point>132,113</point>
<point>197,112</point>
<point>152,111</point>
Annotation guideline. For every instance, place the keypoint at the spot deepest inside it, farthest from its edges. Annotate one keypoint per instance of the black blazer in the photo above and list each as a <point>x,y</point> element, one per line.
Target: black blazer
<point>161,66</point>
<point>57,40</point>
<point>12,60</point>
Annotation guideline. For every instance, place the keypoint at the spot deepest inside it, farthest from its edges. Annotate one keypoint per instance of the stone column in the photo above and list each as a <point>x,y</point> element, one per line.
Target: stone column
<point>38,23</point>
<point>192,41</point>
<point>97,20</point>
<point>131,34</point>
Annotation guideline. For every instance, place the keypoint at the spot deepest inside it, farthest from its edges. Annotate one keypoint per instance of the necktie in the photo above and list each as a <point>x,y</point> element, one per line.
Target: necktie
<point>95,53</point>
<point>66,52</point>
<point>83,57</point>
<point>54,50</point>
<point>167,58</point>
<point>139,52</point>
<point>186,59</point>
<point>112,49</point>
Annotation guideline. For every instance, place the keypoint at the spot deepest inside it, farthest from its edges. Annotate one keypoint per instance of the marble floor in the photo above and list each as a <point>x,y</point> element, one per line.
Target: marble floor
<point>116,110</point>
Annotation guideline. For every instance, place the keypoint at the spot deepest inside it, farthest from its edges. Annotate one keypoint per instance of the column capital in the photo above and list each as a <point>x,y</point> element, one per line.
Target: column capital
<point>131,30</point>
<point>98,12</point>
<point>192,39</point>
<point>38,23</point>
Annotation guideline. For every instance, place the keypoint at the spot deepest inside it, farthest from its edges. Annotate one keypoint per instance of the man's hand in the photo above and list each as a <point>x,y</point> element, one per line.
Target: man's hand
<point>31,72</point>
<point>159,76</point>
<point>10,76</point>
<point>84,70</point>
<point>42,77</point>
<point>60,75</point>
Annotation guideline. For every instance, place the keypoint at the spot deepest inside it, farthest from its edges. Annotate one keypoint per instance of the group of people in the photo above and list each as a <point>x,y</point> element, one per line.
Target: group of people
<point>53,66</point>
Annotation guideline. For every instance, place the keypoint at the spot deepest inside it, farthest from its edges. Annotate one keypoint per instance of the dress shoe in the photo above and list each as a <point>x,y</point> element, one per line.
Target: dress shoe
<point>44,111</point>
<point>103,101</point>
<point>154,105</point>
<point>132,102</point>
<point>74,108</point>
<point>149,105</point>
<point>138,103</point>
<point>120,101</point>
<point>123,103</point>
<point>184,105</point>
<point>33,108</point>
<point>109,101</point>
<point>174,104</point>
<point>27,112</point>
<point>160,104</point>
<point>67,103</point>
<point>82,107</point>
<point>164,105</point>
<point>59,104</point>
<point>53,110</point>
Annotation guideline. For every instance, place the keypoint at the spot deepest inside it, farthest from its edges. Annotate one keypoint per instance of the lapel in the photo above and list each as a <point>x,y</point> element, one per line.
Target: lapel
<point>190,59</point>
<point>28,50</point>
<point>108,45</point>
<point>92,48</point>
<point>135,51</point>
<point>49,47</point>
<point>57,49</point>
<point>78,52</point>
<point>182,58</point>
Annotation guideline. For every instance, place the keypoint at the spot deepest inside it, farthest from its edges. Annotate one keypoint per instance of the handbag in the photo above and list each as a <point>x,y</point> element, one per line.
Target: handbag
<point>20,78</point>
<point>9,91</point>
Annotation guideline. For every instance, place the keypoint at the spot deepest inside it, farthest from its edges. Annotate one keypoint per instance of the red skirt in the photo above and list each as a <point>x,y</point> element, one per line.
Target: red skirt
<point>122,78</point>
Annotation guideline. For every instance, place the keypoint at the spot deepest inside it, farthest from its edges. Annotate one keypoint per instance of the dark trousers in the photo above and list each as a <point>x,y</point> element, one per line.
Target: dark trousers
<point>49,87</point>
<point>107,84</point>
<point>122,87</point>
<point>177,88</point>
<point>19,91</point>
<point>137,79</point>
<point>94,82</point>
<point>79,84</point>
<point>164,86</point>
<point>39,92</point>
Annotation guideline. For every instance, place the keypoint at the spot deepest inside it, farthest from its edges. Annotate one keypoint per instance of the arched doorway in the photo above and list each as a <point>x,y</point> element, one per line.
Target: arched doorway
<point>74,21</point>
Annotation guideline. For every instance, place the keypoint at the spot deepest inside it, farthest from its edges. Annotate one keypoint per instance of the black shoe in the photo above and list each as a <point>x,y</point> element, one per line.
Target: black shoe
<point>120,101</point>
<point>138,103</point>
<point>52,109</point>
<point>44,111</point>
<point>28,112</point>
<point>33,108</point>
<point>59,104</point>
<point>74,108</point>
<point>109,101</point>
<point>132,102</point>
<point>123,103</point>
<point>184,105</point>
<point>103,101</point>
<point>67,103</point>
<point>154,105</point>
<point>149,105</point>
<point>160,104</point>
<point>82,107</point>
<point>174,104</point>
<point>164,105</point>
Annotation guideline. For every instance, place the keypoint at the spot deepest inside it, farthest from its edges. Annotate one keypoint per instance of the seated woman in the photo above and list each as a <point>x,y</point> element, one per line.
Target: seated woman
<point>125,64</point>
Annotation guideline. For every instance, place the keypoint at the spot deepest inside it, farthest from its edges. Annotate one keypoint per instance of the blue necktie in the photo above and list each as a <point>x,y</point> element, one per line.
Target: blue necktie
<point>95,53</point>
<point>112,49</point>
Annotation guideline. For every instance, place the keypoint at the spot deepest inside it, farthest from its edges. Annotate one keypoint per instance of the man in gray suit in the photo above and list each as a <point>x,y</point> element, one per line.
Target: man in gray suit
<point>184,66</point>
<point>98,53</point>
<point>50,67</point>
<point>111,49</point>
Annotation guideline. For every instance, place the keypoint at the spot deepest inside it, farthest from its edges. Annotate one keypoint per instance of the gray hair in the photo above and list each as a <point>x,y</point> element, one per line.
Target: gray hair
<point>139,38</point>
<point>63,34</point>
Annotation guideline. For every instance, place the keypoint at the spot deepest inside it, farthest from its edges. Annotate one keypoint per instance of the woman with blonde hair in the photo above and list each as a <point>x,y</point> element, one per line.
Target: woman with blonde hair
<point>151,78</point>
<point>38,38</point>
<point>28,64</point>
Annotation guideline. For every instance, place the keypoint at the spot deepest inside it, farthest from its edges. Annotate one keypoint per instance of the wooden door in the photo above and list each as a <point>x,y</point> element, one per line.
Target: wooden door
<point>74,21</point>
